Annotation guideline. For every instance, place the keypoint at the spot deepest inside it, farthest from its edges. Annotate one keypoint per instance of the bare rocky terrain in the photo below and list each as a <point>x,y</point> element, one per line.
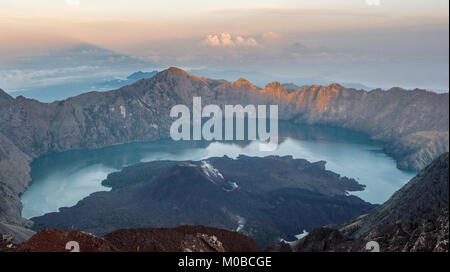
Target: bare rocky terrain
<point>180,239</point>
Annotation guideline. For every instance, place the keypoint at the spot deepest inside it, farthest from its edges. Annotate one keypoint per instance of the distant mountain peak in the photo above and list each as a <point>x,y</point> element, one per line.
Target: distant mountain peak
<point>176,70</point>
<point>243,82</point>
<point>290,87</point>
<point>140,75</point>
<point>173,73</point>
<point>336,86</point>
<point>275,85</point>
<point>298,48</point>
<point>136,73</point>
<point>276,88</point>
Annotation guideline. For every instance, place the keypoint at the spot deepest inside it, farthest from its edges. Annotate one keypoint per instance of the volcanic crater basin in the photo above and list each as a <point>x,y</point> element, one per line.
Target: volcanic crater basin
<point>342,151</point>
<point>61,180</point>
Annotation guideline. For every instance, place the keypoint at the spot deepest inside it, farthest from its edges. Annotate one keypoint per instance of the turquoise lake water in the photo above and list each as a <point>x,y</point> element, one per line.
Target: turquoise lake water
<point>61,180</point>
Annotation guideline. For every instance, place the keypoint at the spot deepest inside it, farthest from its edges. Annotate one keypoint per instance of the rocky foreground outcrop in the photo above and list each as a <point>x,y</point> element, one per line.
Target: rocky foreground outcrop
<point>6,243</point>
<point>180,239</point>
<point>414,124</point>
<point>422,235</point>
<point>414,219</point>
<point>183,238</point>
<point>53,240</point>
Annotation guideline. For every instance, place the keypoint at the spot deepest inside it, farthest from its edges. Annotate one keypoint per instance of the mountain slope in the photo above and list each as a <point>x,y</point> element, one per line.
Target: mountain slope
<point>425,195</point>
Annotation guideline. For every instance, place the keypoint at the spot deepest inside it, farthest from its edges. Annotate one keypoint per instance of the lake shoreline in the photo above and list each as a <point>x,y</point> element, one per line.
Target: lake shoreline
<point>303,139</point>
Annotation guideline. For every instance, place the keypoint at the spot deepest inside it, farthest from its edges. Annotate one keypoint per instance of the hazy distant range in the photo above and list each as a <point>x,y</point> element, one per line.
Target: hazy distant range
<point>85,67</point>
<point>61,91</point>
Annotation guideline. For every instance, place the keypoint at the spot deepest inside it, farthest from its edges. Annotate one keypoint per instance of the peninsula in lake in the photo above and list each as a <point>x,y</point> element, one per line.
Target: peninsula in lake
<point>266,198</point>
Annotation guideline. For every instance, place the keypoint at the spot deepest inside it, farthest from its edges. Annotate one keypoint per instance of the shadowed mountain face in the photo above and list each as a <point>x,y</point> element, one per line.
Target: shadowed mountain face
<point>415,218</point>
<point>263,197</point>
<point>413,123</point>
<point>424,196</point>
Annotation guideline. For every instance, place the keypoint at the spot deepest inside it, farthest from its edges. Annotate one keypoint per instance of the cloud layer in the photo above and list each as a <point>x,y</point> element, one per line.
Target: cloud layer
<point>226,39</point>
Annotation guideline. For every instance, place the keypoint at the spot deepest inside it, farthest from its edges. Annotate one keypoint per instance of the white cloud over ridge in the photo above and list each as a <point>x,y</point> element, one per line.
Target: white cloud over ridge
<point>212,40</point>
<point>226,39</point>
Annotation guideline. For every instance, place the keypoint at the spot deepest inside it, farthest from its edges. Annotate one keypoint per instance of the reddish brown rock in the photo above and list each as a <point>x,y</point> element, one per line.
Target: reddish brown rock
<point>53,240</point>
<point>181,239</point>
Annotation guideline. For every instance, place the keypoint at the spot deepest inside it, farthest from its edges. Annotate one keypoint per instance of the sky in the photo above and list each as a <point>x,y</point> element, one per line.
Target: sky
<point>378,43</point>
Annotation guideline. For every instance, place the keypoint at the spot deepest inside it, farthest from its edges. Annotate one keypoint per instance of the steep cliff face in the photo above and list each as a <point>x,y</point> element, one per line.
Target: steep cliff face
<point>413,123</point>
<point>14,178</point>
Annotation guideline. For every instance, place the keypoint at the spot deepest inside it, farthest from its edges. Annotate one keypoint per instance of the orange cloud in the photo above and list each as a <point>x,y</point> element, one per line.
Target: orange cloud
<point>225,39</point>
